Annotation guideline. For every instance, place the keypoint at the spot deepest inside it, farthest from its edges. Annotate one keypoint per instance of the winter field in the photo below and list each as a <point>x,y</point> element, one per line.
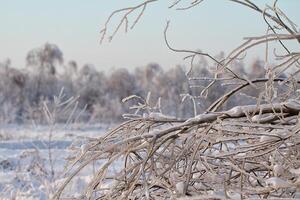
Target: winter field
<point>221,123</point>
<point>33,159</point>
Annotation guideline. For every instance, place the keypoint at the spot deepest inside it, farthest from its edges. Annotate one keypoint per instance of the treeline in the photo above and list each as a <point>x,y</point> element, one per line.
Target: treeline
<point>25,92</point>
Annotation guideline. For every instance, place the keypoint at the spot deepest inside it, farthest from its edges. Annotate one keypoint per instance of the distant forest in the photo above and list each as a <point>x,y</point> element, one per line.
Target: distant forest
<point>24,92</point>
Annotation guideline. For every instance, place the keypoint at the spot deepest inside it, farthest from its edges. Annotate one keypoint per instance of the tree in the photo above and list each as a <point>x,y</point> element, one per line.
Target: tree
<point>45,58</point>
<point>91,86</point>
<point>249,151</point>
<point>43,61</point>
<point>12,83</point>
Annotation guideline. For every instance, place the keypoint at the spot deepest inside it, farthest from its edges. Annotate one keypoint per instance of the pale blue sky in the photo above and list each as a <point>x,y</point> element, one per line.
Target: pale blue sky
<point>74,26</point>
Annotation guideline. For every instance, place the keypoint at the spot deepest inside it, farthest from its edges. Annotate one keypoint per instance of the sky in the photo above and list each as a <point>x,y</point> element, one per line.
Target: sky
<point>74,25</point>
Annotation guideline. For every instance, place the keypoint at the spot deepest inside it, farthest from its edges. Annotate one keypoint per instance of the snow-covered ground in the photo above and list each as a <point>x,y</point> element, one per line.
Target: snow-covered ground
<point>33,158</point>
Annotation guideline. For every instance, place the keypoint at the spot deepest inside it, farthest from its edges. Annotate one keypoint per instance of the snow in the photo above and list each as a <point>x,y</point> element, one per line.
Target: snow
<point>180,187</point>
<point>278,169</point>
<point>277,183</point>
<point>159,116</point>
<point>25,167</point>
<point>295,171</point>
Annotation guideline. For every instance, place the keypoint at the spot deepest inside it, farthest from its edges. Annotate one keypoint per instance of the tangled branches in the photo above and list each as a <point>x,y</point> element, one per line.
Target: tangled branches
<point>245,151</point>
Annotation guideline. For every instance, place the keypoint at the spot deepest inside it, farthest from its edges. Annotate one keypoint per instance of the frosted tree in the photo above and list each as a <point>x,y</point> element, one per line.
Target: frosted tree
<point>45,58</point>
<point>12,83</point>
<point>90,85</point>
<point>43,62</point>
